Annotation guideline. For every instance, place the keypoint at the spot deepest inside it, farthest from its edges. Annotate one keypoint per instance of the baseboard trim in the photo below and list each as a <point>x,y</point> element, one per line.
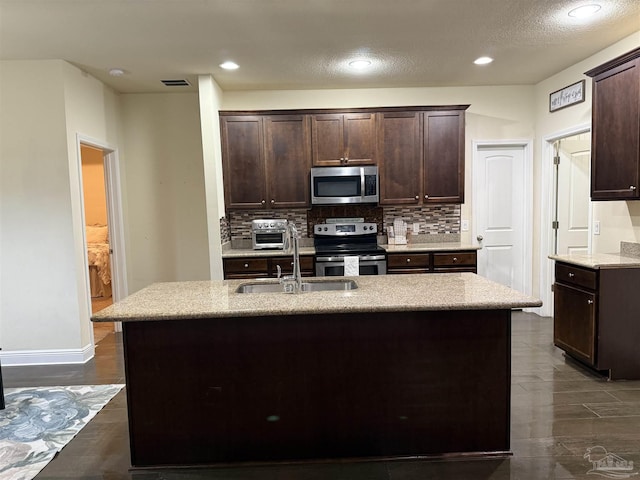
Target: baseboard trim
<point>15,358</point>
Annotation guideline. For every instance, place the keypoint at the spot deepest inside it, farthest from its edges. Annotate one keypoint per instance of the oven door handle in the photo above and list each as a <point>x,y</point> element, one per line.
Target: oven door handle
<point>362,258</point>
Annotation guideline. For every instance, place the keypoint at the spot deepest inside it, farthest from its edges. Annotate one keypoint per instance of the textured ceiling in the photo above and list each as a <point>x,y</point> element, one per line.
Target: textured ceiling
<point>305,44</point>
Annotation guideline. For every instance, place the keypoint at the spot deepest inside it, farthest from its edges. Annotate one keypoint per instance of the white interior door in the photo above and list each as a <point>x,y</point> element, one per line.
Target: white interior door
<point>573,197</point>
<point>501,214</point>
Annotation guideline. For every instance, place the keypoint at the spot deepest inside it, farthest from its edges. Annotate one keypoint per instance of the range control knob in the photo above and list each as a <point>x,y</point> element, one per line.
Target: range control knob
<point>326,229</point>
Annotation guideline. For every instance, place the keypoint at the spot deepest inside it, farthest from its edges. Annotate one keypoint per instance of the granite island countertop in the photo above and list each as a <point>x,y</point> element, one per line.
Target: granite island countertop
<point>383,293</point>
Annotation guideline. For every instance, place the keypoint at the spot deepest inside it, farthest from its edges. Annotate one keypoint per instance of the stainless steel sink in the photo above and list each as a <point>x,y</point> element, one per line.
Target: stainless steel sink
<point>311,286</point>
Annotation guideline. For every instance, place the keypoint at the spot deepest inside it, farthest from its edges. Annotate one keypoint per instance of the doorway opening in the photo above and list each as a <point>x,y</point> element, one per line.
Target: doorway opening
<point>566,204</point>
<point>97,234</point>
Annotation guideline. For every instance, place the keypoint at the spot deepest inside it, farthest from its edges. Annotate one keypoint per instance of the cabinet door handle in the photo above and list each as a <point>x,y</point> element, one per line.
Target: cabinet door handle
<point>272,201</point>
<point>590,302</point>
<point>632,188</point>
<point>571,275</point>
<point>417,197</point>
<point>263,202</point>
<point>426,197</point>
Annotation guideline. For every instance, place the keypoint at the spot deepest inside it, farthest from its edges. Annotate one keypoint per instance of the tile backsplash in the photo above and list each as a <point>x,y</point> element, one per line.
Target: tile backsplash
<point>433,219</point>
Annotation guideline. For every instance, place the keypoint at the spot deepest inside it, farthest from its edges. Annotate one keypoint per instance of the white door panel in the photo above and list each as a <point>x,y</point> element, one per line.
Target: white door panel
<point>500,207</point>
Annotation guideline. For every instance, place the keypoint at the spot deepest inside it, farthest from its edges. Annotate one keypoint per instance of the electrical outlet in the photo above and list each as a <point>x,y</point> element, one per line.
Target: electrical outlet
<point>465,225</point>
<point>596,227</point>
<point>416,228</point>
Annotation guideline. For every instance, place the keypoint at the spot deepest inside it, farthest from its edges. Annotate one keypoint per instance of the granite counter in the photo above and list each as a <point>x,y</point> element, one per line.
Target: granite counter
<point>383,293</point>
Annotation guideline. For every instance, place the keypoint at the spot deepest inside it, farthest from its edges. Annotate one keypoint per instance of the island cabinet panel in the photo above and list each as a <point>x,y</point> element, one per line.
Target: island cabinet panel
<point>243,162</point>
<point>400,159</point>
<point>615,153</point>
<point>596,318</point>
<point>309,387</point>
<point>444,157</point>
<point>343,139</point>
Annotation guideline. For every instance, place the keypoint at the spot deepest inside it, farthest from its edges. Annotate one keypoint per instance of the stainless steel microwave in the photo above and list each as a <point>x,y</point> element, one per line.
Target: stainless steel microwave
<point>339,185</point>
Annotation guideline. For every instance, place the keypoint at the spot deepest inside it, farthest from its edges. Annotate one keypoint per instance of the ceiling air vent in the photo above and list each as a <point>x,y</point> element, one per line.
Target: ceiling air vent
<point>176,83</point>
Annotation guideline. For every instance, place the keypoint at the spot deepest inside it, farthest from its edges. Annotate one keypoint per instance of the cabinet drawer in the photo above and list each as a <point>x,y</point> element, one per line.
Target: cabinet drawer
<point>415,260</point>
<point>573,275</point>
<point>454,259</point>
<point>286,264</point>
<point>240,265</point>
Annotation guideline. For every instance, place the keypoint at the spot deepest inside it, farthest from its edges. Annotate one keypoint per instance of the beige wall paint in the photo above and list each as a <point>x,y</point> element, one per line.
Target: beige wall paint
<point>91,110</point>
<point>39,304</point>
<point>95,199</point>
<point>210,98</point>
<point>166,213</point>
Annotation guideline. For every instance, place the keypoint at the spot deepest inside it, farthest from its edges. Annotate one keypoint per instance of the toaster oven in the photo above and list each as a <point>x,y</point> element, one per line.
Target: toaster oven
<point>268,233</point>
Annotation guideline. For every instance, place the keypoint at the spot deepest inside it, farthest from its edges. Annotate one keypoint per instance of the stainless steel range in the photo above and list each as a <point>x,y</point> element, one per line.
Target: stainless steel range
<point>336,241</point>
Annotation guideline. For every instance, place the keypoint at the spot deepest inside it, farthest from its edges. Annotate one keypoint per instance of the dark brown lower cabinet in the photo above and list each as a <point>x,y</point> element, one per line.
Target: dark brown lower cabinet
<point>597,318</point>
<point>265,267</point>
<point>432,262</point>
<point>318,386</point>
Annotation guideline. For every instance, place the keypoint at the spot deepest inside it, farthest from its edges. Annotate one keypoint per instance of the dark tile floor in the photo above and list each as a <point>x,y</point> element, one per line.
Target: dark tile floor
<point>559,410</point>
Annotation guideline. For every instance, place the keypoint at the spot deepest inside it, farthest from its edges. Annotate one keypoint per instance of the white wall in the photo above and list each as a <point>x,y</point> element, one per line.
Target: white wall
<point>40,308</point>
<point>210,97</point>
<point>166,215</point>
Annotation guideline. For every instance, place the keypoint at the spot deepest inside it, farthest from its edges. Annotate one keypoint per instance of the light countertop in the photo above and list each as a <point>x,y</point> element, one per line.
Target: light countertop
<point>599,260</point>
<point>410,248</point>
<point>429,247</point>
<point>383,293</point>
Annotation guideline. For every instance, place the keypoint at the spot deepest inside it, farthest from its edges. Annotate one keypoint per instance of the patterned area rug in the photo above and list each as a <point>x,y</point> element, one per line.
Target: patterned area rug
<point>39,421</point>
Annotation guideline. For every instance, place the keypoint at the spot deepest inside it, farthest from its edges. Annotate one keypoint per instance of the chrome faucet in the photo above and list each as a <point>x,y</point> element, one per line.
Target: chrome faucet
<point>292,283</point>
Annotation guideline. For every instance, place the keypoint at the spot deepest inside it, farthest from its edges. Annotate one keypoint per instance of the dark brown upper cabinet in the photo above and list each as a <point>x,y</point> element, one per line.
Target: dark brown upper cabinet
<point>243,162</point>
<point>400,158</point>
<point>343,139</point>
<point>615,141</point>
<point>266,161</point>
<point>421,157</point>
<point>443,157</point>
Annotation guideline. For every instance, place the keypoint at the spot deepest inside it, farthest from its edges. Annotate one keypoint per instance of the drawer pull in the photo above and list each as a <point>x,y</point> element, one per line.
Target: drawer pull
<point>590,302</point>
<point>571,275</point>
<point>408,260</point>
<point>246,265</point>
<point>455,259</point>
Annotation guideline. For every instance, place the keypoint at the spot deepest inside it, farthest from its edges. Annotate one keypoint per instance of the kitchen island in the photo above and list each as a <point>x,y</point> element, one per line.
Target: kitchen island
<point>402,366</point>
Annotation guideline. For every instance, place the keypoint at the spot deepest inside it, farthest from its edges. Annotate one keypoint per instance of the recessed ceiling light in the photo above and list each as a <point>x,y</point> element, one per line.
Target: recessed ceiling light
<point>360,64</point>
<point>483,60</point>
<point>229,65</point>
<point>584,10</point>
<point>116,72</point>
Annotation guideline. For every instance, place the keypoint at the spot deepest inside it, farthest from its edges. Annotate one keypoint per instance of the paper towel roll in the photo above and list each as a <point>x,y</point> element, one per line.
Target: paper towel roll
<point>351,266</point>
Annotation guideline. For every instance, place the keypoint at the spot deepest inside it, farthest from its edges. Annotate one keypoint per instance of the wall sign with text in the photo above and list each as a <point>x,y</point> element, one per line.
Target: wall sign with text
<point>567,96</point>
